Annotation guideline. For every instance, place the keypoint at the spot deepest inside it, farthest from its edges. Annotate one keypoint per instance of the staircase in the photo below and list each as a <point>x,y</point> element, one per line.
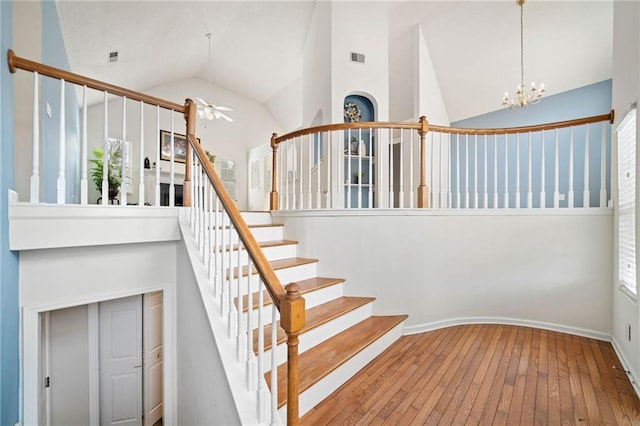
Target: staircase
<point>341,334</point>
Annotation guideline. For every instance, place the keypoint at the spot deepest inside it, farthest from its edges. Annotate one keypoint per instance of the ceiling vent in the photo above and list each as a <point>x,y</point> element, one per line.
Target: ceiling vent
<point>113,56</point>
<point>357,57</point>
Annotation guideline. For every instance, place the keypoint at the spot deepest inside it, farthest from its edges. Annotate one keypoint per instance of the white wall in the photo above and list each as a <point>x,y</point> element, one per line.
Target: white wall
<point>402,75</point>
<point>203,392</point>
<point>429,102</point>
<point>27,36</point>
<point>352,32</point>
<point>625,88</point>
<point>286,106</point>
<point>70,366</point>
<point>253,125</point>
<point>528,267</point>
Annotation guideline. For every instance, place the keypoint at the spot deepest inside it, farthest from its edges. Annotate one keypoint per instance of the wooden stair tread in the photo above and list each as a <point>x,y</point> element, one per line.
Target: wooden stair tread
<point>289,262</point>
<point>306,286</point>
<point>264,244</point>
<point>319,361</point>
<point>315,317</point>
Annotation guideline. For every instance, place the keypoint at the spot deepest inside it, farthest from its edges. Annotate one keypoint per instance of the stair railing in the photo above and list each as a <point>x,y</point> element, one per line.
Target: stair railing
<point>364,165</point>
<point>238,270</point>
<point>234,280</point>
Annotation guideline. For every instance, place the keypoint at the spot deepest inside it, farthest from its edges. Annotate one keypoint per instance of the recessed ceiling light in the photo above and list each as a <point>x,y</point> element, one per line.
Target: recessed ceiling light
<point>113,56</point>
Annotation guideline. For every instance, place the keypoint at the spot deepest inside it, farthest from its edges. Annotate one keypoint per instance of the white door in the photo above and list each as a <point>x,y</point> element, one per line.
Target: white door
<point>121,361</point>
<point>152,358</point>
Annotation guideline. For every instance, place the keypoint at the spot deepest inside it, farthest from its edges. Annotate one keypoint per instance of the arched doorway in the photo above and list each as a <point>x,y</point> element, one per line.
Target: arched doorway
<point>359,150</point>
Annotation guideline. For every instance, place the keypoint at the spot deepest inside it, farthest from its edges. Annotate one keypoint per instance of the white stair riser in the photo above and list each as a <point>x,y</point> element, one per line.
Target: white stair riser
<point>297,273</point>
<point>257,218</point>
<point>319,391</point>
<point>319,334</point>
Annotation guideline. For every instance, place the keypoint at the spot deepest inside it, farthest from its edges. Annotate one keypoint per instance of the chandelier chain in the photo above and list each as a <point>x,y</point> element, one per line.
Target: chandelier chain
<point>522,43</point>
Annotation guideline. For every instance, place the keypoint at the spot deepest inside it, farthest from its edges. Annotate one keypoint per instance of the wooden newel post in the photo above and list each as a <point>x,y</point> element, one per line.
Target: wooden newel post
<point>274,174</point>
<point>292,318</point>
<point>190,118</point>
<point>423,192</point>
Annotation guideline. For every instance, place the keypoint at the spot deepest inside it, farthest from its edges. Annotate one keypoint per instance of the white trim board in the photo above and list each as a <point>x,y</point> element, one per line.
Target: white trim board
<point>423,328</point>
<point>626,365</point>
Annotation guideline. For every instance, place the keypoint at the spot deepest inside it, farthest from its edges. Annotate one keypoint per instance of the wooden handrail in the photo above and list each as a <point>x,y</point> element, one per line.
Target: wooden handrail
<point>16,62</point>
<point>271,281</point>
<point>344,126</point>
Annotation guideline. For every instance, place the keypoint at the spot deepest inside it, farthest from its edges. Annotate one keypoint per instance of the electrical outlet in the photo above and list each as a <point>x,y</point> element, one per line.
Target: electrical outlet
<point>49,111</point>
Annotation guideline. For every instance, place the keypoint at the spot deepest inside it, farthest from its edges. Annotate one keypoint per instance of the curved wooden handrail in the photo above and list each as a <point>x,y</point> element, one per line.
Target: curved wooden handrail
<point>444,129</point>
<point>16,62</point>
<point>271,281</point>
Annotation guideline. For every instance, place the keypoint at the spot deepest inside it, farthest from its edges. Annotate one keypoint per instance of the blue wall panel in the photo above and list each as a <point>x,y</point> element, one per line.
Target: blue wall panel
<point>9,361</point>
<point>586,101</point>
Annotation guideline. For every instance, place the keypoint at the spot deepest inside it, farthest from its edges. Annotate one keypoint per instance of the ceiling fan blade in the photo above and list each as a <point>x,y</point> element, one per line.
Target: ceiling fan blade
<point>201,101</point>
<point>226,117</point>
<point>222,108</point>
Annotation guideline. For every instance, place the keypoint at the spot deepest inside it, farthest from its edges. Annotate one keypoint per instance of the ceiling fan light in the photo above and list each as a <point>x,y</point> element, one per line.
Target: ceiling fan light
<point>209,115</point>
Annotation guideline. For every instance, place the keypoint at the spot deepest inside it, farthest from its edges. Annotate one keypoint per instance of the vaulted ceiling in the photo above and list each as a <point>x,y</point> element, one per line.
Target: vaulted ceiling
<point>257,45</point>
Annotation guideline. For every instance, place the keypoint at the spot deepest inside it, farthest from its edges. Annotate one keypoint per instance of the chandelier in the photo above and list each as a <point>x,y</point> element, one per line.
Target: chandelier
<point>523,96</point>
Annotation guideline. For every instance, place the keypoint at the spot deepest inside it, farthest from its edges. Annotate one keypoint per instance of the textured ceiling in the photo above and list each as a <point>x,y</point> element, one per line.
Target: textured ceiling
<point>257,45</point>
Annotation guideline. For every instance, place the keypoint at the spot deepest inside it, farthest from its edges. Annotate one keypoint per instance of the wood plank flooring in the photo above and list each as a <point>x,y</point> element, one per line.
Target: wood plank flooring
<point>489,375</point>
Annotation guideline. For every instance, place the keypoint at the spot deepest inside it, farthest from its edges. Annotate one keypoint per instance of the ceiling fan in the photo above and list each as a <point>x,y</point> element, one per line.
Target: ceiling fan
<point>209,110</point>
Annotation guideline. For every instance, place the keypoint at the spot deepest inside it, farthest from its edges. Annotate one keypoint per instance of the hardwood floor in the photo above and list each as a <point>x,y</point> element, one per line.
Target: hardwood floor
<point>490,375</point>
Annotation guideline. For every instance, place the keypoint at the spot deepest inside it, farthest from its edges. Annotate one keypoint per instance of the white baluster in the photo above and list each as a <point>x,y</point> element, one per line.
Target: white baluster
<point>298,171</point>
<point>275,418</point>
<point>207,224</point>
<point>411,159</point>
<point>543,193</point>
<point>217,243</point>
<point>485,194</point>
<point>252,382</point>
<point>192,177</point>
<point>84,184</point>
<point>318,169</point>
<point>105,152</point>
<point>466,172</point>
<point>62,150</point>
<point>262,388</point>
<point>495,171</point>
<point>585,195</point>
<point>506,171</point>
<point>172,181</point>
<point>157,163</point>
<point>329,198</point>
<point>391,172</point>
<point>431,187</point>
<point>233,276</point>
<point>241,337</point>
<point>458,170</point>
<point>570,195</point>
<point>35,144</point>
<point>529,180</point>
<point>361,177</point>
<point>141,191</point>
<point>308,169</point>
<point>225,268</point>
<point>401,189</point>
<point>556,173</point>
<point>123,155</point>
<point>475,171</point>
<point>348,177</point>
<point>603,166</point>
<point>370,170</point>
<point>517,171</point>
<point>440,174</point>
<point>449,195</point>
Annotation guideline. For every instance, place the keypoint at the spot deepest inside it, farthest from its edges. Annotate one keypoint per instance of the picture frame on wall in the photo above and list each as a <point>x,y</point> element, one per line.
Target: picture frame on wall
<point>179,146</point>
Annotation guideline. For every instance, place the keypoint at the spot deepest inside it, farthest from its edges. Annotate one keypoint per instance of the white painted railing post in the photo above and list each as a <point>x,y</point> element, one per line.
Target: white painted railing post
<point>84,185</point>
<point>506,171</point>
<point>603,166</point>
<point>543,193</point>
<point>475,171</point>
<point>556,178</point>
<point>62,150</point>
<point>157,163</point>
<point>585,195</point>
<point>172,159</point>
<point>411,180</point>
<point>517,200</point>
<point>105,153</point>
<point>485,193</point>
<point>263,394</point>
<point>141,191</point>
<point>123,155</point>
<point>458,170</point>
<point>35,144</point>
<point>275,418</point>
<point>495,171</point>
<point>369,153</point>
<point>401,189</point>
<point>529,177</point>
<point>466,172</point>
<point>570,194</point>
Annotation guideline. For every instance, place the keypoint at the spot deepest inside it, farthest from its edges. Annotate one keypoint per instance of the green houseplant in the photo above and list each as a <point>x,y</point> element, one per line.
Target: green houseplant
<point>113,168</point>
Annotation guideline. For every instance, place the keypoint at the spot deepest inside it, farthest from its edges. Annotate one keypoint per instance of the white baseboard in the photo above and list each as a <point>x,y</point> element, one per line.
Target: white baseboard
<point>626,365</point>
<point>422,328</point>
